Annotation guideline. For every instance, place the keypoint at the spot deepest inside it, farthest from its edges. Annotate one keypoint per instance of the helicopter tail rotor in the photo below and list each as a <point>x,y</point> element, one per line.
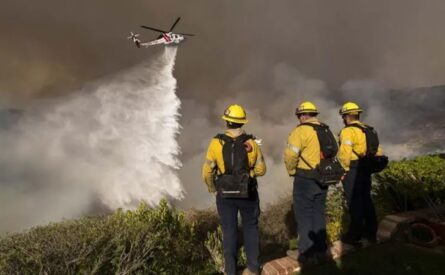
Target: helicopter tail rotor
<point>133,35</point>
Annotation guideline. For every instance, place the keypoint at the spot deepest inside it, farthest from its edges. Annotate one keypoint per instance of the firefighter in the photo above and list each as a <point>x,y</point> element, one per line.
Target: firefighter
<point>357,180</point>
<point>219,166</point>
<point>301,155</point>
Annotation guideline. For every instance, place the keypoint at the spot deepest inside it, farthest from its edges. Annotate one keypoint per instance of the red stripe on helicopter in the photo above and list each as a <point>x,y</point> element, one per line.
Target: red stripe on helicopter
<point>166,37</point>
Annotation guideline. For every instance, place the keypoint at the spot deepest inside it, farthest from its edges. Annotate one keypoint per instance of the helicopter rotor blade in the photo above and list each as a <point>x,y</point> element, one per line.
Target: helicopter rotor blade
<point>187,34</point>
<point>153,29</point>
<point>174,24</point>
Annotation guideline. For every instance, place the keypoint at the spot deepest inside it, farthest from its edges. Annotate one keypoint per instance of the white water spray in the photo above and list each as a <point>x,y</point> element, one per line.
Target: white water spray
<point>112,142</point>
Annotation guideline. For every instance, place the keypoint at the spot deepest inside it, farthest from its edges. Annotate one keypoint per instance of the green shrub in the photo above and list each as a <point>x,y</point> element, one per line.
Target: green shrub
<point>277,225</point>
<point>214,245</point>
<point>148,241</point>
<point>204,221</point>
<point>163,240</point>
<point>335,213</point>
<point>403,185</point>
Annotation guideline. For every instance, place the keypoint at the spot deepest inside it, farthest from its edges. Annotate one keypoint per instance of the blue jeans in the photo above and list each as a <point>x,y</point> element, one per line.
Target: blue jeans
<point>309,208</point>
<point>357,186</point>
<point>228,213</point>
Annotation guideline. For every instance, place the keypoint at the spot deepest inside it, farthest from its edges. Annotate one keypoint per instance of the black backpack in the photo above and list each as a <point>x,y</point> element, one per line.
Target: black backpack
<point>370,162</point>
<point>235,182</point>
<point>329,171</point>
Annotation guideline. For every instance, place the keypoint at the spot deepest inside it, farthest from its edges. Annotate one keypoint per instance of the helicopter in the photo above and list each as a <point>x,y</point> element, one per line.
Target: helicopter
<point>167,38</point>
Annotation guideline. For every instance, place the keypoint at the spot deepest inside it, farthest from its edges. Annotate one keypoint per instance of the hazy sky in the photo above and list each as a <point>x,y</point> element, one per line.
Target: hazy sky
<point>50,46</point>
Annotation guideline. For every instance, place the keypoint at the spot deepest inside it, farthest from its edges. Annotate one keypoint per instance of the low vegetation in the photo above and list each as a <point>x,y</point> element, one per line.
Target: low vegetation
<point>164,240</point>
<point>145,241</point>
<point>405,184</point>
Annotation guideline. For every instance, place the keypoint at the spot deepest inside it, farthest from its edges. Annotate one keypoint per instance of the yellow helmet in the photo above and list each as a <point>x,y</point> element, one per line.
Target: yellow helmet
<point>350,108</point>
<point>235,113</point>
<point>306,107</point>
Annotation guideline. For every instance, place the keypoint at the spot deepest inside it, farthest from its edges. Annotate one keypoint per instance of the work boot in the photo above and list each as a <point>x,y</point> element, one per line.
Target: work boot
<point>293,254</point>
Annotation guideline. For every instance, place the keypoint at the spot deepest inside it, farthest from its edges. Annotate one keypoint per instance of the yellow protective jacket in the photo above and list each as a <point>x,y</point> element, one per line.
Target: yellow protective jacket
<point>214,163</point>
<point>302,142</point>
<point>352,139</point>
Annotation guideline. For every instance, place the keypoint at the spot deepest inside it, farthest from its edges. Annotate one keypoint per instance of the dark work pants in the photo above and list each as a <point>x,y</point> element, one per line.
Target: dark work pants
<point>357,186</point>
<point>228,213</point>
<point>309,208</point>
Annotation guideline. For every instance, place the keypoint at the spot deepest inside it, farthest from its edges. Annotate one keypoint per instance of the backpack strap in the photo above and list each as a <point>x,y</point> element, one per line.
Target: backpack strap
<point>246,137</point>
<point>307,163</point>
<point>356,125</point>
<point>224,137</point>
<point>315,126</point>
<point>361,127</point>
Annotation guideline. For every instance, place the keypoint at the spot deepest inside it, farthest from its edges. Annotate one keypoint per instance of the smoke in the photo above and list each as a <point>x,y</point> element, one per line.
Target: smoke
<point>410,122</point>
<point>113,143</point>
<point>265,55</point>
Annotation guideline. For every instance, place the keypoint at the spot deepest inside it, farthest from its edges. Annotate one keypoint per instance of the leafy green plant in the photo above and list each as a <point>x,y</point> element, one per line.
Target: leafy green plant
<point>335,213</point>
<point>214,245</point>
<point>164,240</point>
<point>277,225</point>
<point>147,240</point>
<point>293,244</point>
<point>404,184</point>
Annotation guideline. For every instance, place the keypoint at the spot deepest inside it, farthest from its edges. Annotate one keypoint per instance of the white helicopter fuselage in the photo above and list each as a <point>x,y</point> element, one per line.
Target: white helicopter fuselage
<point>172,38</point>
<point>168,39</point>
